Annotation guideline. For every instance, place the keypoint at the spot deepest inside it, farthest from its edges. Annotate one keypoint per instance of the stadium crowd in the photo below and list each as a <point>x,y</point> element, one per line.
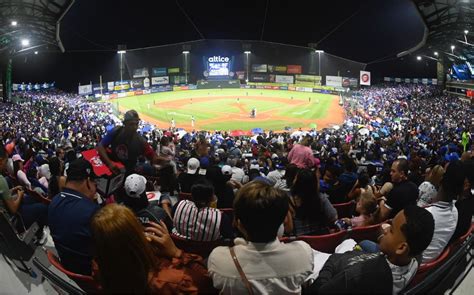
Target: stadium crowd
<point>404,157</point>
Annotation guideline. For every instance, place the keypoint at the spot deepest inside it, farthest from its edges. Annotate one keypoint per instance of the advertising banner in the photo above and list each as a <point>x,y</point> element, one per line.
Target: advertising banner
<point>284,79</point>
<point>387,79</point>
<point>398,80</point>
<point>407,80</point>
<point>259,68</point>
<point>415,80</point>
<point>365,78</point>
<point>259,78</point>
<point>424,81</point>
<point>110,86</point>
<point>178,80</point>
<point>277,69</point>
<point>140,73</point>
<point>434,81</point>
<point>137,83</point>
<point>160,80</point>
<point>173,70</point>
<point>308,78</point>
<point>158,72</point>
<point>85,89</point>
<point>240,75</point>
<point>334,81</point>
<point>294,69</point>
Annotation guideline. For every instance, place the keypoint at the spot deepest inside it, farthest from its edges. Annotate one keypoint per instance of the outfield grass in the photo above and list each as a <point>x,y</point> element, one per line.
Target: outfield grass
<point>233,112</point>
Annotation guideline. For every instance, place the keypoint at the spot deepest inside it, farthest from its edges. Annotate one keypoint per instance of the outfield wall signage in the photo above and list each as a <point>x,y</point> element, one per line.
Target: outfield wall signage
<point>424,81</point>
<point>277,69</point>
<point>407,80</point>
<point>259,78</point>
<point>160,80</point>
<point>85,89</point>
<point>137,83</point>
<point>334,81</point>
<point>294,69</point>
<point>284,79</point>
<point>140,73</point>
<point>259,68</point>
<point>158,72</point>
<point>173,70</point>
<point>398,80</point>
<point>308,78</point>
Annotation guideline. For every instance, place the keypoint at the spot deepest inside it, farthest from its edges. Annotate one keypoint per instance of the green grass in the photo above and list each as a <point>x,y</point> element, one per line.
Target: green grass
<point>227,104</point>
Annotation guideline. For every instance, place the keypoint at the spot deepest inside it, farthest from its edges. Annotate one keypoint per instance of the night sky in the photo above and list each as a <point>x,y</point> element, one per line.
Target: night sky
<point>91,31</point>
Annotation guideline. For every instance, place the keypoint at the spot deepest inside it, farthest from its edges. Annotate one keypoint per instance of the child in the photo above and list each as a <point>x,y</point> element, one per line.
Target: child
<point>366,206</point>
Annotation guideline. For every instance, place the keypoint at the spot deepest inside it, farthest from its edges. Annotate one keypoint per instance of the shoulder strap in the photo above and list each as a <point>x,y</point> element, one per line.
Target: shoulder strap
<point>241,271</point>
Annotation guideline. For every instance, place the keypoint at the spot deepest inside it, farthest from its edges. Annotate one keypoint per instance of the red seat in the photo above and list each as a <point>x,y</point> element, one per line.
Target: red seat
<point>370,232</point>
<point>38,197</point>
<point>462,238</point>
<point>184,196</point>
<point>324,243</point>
<point>344,209</point>
<point>202,248</point>
<point>87,283</point>
<point>426,267</point>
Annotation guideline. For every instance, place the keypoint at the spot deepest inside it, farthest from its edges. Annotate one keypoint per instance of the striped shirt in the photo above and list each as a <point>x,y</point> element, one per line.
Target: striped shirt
<point>196,224</point>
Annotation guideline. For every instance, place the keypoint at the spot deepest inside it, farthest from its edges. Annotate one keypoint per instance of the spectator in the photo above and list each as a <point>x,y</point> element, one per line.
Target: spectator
<point>301,154</point>
<point>198,219</point>
<point>69,217</point>
<point>271,267</point>
<point>57,181</point>
<point>131,260</point>
<point>465,203</point>
<point>20,175</point>
<point>188,178</point>
<point>429,188</point>
<point>365,207</point>
<point>126,144</point>
<point>387,272</point>
<point>444,212</point>
<point>404,192</point>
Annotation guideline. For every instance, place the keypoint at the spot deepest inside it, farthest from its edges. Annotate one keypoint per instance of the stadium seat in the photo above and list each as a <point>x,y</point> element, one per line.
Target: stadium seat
<point>370,232</point>
<point>87,283</point>
<point>38,197</point>
<point>461,239</point>
<point>344,209</point>
<point>425,268</point>
<point>324,243</point>
<point>184,196</point>
<point>202,248</point>
<point>56,281</point>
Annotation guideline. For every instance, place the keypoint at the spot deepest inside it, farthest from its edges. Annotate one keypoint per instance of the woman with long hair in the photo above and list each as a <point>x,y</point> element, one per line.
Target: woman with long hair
<point>57,180</point>
<point>312,212</point>
<point>131,259</point>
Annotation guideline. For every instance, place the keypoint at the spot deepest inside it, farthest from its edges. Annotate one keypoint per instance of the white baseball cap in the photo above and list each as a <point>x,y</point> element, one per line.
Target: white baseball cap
<point>193,165</point>
<point>226,170</point>
<point>135,185</point>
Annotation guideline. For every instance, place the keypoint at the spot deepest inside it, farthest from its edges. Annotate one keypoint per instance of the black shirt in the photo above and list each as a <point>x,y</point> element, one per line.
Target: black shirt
<point>403,194</point>
<point>187,180</point>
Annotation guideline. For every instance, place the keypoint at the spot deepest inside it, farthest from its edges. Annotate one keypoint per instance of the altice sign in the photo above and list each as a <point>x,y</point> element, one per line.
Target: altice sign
<point>218,58</point>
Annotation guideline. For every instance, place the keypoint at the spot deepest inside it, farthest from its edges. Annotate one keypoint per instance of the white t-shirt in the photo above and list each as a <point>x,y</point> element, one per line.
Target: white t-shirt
<point>445,216</point>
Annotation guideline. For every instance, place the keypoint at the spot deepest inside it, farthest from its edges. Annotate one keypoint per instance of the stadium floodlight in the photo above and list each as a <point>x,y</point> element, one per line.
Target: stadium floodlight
<point>452,47</point>
<point>319,51</point>
<point>36,52</point>
<point>436,53</point>
<point>418,57</point>
<point>185,52</point>
<point>466,32</point>
<point>121,51</point>
<point>14,23</point>
<point>25,42</point>
<point>247,52</point>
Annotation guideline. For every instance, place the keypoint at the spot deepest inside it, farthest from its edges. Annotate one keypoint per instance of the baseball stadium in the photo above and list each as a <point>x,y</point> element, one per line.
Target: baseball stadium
<point>245,147</point>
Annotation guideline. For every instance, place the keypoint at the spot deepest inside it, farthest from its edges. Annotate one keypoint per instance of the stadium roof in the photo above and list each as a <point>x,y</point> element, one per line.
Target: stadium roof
<point>446,22</point>
<point>35,20</point>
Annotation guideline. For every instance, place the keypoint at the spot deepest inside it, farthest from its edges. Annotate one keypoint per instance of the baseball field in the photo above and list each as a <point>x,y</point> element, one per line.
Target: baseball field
<point>229,109</point>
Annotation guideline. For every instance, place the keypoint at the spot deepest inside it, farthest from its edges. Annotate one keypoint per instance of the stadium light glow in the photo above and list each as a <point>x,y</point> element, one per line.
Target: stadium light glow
<point>185,52</point>
<point>36,52</point>
<point>465,32</point>
<point>247,52</point>
<point>25,42</point>
<point>319,51</point>
<point>452,47</point>
<point>436,53</point>
<point>418,57</point>
<point>121,51</point>
<point>14,23</point>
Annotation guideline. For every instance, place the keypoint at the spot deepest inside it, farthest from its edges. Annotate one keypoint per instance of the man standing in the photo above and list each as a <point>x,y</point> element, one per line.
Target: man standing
<point>69,216</point>
<point>192,121</point>
<point>301,154</point>
<point>126,145</point>
<point>173,124</point>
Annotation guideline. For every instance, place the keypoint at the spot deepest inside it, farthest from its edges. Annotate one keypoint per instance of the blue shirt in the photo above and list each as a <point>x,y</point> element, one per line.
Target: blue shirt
<point>69,217</point>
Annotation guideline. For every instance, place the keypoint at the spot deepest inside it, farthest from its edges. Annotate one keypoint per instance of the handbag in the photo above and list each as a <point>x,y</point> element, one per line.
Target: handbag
<point>241,271</point>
